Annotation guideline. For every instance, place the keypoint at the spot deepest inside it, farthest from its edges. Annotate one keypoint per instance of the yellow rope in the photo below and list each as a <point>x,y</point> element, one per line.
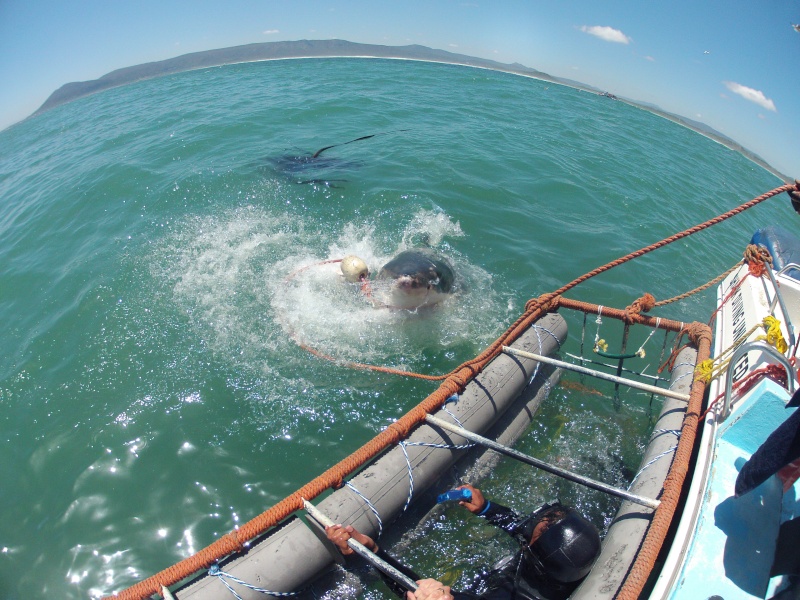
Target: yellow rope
<point>774,336</point>
<point>705,370</point>
<point>712,368</point>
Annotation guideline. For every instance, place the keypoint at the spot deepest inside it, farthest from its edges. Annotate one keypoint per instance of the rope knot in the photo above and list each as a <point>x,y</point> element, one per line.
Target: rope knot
<point>457,383</point>
<point>777,373</point>
<point>757,257</point>
<point>697,331</point>
<point>545,301</point>
<point>774,335</point>
<point>705,370</point>
<point>643,304</point>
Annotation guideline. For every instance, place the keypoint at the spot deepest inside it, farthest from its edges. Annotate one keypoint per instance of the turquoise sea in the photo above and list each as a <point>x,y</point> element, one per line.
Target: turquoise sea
<point>152,391</point>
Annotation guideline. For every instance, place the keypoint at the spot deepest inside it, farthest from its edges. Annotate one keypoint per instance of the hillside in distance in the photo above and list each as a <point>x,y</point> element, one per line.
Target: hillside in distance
<point>272,51</point>
<point>342,48</point>
<point>713,134</point>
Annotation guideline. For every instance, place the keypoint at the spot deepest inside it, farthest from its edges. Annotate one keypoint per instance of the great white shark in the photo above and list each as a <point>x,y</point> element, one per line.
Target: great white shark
<point>415,278</point>
<point>314,168</point>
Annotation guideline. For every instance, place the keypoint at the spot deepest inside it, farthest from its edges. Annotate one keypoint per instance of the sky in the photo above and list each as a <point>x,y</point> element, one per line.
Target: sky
<point>732,64</point>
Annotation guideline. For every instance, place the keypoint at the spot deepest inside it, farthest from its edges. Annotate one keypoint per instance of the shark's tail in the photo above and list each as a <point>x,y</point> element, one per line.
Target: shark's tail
<point>358,139</point>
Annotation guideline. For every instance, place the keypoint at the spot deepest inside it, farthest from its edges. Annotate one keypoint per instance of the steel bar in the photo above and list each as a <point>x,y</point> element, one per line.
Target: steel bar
<point>592,483</point>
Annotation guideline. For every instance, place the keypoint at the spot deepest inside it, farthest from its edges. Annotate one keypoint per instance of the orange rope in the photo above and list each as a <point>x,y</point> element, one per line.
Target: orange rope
<point>673,238</point>
<point>455,382</point>
<point>292,275</point>
<point>332,478</point>
<point>775,372</point>
<point>673,484</point>
<point>366,367</point>
<point>644,304</point>
<point>757,259</point>
<point>753,255</point>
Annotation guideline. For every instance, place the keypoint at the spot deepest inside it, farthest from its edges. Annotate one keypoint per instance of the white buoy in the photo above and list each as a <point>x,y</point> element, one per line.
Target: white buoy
<point>354,269</point>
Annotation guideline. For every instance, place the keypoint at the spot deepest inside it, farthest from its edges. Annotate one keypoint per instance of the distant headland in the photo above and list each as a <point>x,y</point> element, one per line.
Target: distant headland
<point>341,48</point>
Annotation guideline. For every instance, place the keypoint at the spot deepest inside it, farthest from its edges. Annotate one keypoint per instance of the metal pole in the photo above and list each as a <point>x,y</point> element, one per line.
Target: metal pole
<point>621,363</point>
<point>599,374</point>
<point>592,483</point>
<point>362,550</point>
<point>590,361</point>
<point>785,312</point>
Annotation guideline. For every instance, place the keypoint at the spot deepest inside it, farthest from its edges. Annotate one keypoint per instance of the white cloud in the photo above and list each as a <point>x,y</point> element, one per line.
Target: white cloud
<point>271,31</point>
<point>650,58</point>
<point>608,34</point>
<point>750,94</point>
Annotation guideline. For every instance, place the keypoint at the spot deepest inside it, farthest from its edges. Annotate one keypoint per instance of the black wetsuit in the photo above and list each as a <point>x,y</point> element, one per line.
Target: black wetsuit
<point>504,581</point>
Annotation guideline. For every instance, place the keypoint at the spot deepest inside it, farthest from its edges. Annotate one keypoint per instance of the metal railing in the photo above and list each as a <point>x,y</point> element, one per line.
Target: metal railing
<point>741,351</point>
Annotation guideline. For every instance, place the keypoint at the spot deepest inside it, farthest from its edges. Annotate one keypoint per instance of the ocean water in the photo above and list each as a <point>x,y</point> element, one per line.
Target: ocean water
<point>152,293</point>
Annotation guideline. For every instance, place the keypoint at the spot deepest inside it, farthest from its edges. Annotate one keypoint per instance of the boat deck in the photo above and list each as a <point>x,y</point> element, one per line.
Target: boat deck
<point>734,542</point>
<point>724,546</point>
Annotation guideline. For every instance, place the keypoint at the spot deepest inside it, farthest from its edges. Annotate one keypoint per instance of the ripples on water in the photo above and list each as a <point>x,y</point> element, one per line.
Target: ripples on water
<point>153,395</point>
